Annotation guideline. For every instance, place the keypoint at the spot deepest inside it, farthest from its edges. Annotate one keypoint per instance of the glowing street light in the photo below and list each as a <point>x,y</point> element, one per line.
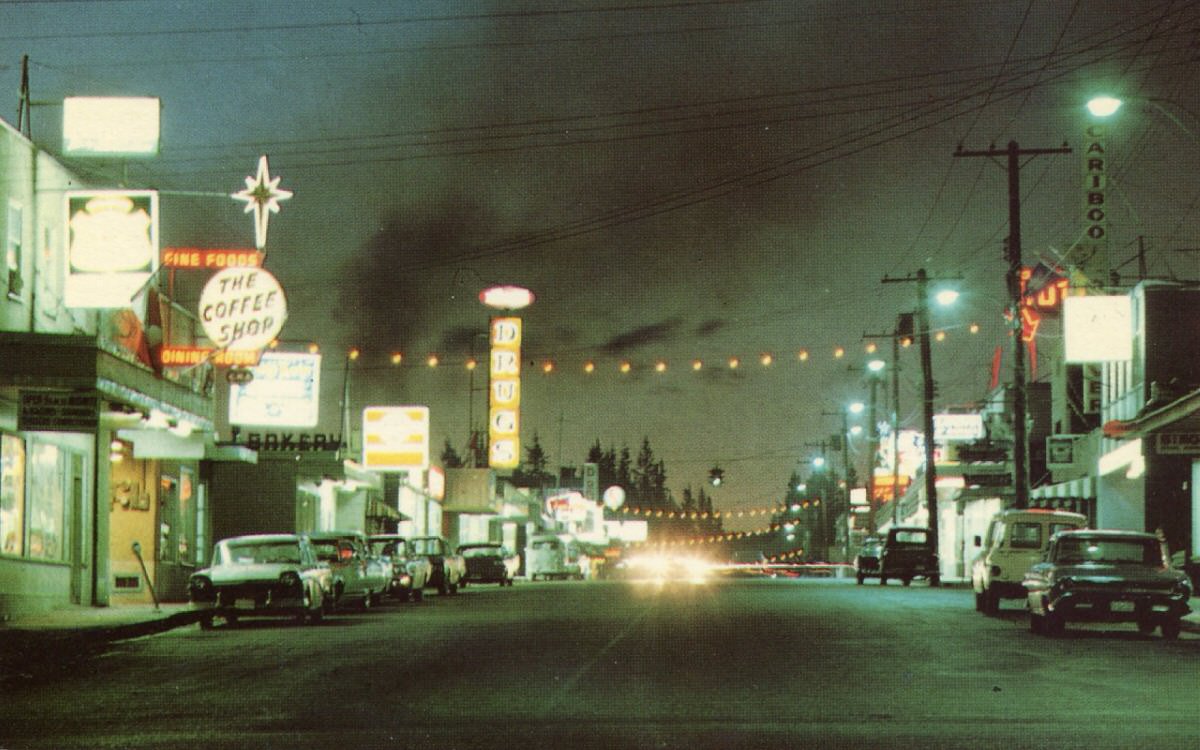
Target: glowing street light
<point>1104,106</point>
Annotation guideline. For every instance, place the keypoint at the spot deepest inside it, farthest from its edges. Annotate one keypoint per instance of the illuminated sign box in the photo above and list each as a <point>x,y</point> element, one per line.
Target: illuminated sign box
<point>112,246</point>
<point>396,438</point>
<point>110,126</point>
<point>284,392</point>
<point>1098,329</point>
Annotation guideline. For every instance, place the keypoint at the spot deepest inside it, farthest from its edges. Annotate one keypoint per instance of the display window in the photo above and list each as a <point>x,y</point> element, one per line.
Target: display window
<point>12,495</point>
<point>35,514</point>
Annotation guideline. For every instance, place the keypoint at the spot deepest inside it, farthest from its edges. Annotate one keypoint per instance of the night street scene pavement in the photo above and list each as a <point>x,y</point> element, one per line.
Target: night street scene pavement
<point>604,374</point>
<point>747,662</point>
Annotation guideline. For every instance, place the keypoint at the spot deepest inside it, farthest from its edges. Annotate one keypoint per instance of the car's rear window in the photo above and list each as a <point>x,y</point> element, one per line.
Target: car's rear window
<point>264,553</point>
<point>911,537</point>
<point>1112,551</point>
<point>1025,535</point>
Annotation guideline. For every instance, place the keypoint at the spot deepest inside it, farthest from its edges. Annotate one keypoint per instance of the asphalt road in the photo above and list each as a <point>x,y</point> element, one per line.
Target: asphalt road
<point>733,664</point>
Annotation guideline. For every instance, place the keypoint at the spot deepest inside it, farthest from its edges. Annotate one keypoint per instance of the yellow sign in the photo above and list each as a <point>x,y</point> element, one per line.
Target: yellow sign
<point>504,394</point>
<point>396,438</point>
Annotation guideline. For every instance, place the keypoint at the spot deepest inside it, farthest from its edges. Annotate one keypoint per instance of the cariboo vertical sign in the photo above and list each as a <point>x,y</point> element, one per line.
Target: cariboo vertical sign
<point>504,393</point>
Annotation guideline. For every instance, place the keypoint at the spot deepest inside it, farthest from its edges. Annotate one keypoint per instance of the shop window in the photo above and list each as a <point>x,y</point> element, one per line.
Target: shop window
<point>12,495</point>
<point>47,511</point>
<point>201,525</point>
<point>35,515</point>
<point>13,238</point>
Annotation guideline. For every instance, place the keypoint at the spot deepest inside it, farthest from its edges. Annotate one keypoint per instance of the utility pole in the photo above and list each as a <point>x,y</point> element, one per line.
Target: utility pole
<point>872,451</point>
<point>927,411</point>
<point>922,319</point>
<point>1013,153</point>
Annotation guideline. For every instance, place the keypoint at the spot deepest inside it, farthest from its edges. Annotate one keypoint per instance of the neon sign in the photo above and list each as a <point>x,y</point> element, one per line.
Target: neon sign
<point>262,196</point>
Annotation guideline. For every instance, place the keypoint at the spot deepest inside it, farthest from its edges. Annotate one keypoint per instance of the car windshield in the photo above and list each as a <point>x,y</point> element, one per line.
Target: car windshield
<point>484,551</point>
<point>1109,551</point>
<point>326,549</point>
<point>263,552</point>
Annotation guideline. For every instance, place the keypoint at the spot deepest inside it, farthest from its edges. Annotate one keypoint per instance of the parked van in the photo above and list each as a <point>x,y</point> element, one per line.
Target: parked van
<point>1015,540</point>
<point>555,556</point>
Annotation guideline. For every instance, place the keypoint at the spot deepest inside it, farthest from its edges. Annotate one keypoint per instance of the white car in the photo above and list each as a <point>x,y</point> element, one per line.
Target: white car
<point>1015,541</point>
<point>261,575</point>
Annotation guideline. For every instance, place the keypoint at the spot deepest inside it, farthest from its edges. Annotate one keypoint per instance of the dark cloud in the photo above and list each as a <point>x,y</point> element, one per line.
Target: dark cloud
<point>710,327</point>
<point>391,305</point>
<point>655,333</point>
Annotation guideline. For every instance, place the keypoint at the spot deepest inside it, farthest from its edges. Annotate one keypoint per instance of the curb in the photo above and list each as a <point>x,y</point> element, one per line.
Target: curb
<point>27,651</point>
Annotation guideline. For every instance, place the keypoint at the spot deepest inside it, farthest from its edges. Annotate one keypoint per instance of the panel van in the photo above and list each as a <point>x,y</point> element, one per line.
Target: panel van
<point>1015,540</point>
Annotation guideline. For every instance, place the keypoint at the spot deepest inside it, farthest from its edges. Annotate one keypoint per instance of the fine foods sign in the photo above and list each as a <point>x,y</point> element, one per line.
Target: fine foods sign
<point>242,308</point>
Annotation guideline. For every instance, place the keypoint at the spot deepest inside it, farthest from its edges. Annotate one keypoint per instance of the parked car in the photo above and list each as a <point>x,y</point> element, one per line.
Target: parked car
<point>1106,576</point>
<point>273,575</point>
<point>410,571</point>
<point>447,567</point>
<point>489,563</point>
<point>866,562</point>
<point>555,556</point>
<point>908,553</point>
<point>1015,541</point>
<point>358,576</point>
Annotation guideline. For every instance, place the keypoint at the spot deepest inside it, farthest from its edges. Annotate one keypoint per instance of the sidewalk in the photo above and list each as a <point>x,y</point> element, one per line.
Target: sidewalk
<point>49,639</point>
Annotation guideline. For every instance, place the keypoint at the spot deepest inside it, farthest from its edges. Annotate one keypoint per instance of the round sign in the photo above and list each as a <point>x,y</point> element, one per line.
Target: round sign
<point>614,497</point>
<point>506,297</point>
<point>242,308</point>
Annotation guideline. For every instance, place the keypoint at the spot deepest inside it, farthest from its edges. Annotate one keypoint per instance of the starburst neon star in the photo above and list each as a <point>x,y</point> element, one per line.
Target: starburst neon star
<point>262,196</point>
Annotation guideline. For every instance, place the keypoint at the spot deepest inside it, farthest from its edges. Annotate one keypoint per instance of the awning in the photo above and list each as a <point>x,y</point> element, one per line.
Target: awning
<point>1081,487</point>
<point>1180,415</point>
<point>379,509</point>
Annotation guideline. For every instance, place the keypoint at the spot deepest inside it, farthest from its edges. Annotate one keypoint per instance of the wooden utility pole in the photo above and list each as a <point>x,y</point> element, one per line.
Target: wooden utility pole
<point>1013,154</point>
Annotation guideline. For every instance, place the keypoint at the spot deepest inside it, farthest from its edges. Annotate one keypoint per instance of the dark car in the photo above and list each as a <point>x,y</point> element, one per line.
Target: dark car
<point>866,562</point>
<point>908,553</point>
<point>1106,576</point>
<point>489,563</point>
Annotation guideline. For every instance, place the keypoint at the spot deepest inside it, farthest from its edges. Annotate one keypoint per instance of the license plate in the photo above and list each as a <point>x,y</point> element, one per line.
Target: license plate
<point>1122,606</point>
<point>243,604</point>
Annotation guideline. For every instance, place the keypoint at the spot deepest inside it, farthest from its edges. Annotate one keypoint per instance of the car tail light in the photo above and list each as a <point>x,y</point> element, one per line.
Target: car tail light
<point>289,581</point>
<point>201,589</point>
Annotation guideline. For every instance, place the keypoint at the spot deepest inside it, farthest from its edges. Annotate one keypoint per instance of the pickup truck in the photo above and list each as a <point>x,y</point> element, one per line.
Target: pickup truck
<point>447,566</point>
<point>908,553</point>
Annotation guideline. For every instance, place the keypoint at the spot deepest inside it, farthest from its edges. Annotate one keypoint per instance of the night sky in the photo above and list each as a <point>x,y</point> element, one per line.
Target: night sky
<point>674,180</point>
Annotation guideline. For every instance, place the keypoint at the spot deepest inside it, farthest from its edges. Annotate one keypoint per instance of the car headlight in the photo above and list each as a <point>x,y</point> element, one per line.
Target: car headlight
<point>1182,589</point>
<point>289,581</point>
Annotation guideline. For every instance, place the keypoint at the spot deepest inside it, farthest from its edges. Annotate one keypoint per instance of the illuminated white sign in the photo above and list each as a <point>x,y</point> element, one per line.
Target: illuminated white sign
<point>110,126</point>
<point>958,427</point>
<point>285,392</point>
<point>614,497</point>
<point>396,438</point>
<point>112,246</point>
<point>242,308</point>
<point>504,394</point>
<point>506,297</point>
<point>1098,329</point>
<point>262,196</point>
